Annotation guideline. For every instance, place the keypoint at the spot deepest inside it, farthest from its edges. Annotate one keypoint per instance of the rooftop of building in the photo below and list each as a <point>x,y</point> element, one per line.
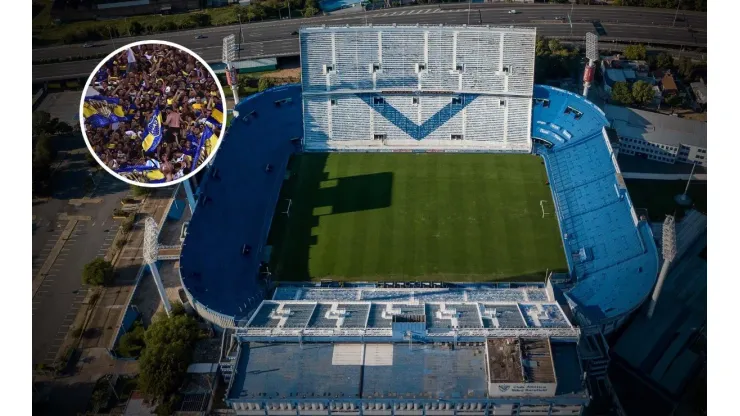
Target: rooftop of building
<point>519,360</point>
<point>437,315</point>
<point>656,128</point>
<point>700,91</point>
<point>379,371</point>
<point>668,82</point>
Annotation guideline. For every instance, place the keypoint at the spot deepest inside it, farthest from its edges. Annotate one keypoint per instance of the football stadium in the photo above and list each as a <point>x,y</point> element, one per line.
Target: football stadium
<point>415,229</point>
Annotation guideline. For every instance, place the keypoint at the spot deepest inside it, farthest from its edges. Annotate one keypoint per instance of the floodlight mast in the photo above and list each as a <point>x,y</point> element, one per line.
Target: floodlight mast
<point>227,56</point>
<point>151,253</point>
<point>669,254</point>
<point>592,54</point>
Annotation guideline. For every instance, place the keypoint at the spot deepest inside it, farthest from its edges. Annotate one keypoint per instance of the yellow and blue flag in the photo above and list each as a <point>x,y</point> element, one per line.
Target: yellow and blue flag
<point>153,132</point>
<point>207,142</point>
<point>217,116</point>
<point>102,111</point>
<point>142,173</point>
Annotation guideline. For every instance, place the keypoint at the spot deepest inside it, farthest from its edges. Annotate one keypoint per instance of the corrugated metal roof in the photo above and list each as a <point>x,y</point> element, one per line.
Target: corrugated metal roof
<point>657,128</point>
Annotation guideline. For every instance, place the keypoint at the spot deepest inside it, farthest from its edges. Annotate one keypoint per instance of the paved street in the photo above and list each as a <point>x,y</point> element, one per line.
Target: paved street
<point>274,37</point>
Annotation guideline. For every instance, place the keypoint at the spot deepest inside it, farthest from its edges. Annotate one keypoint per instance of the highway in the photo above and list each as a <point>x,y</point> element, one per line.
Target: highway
<point>274,38</point>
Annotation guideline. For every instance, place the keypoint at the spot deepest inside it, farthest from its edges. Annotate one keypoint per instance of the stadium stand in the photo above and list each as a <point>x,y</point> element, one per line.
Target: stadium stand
<point>235,207</point>
<point>390,88</point>
<point>611,253</point>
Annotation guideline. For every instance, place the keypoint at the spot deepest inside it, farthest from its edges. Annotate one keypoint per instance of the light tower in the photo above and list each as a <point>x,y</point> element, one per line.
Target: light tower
<point>151,253</point>
<point>669,254</point>
<point>592,54</point>
<point>227,56</point>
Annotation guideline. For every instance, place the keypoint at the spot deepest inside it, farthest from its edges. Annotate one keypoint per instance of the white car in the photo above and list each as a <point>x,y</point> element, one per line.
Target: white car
<point>513,12</point>
<point>87,45</point>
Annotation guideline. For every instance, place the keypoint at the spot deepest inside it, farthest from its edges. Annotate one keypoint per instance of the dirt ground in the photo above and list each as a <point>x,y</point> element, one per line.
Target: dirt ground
<point>290,73</point>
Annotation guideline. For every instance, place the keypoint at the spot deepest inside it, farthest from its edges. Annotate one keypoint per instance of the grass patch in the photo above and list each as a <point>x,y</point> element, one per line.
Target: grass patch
<point>657,196</point>
<point>454,217</point>
<point>48,33</point>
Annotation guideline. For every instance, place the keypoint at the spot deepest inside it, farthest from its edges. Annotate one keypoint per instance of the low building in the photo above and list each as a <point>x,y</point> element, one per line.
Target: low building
<point>407,352</point>
<point>614,69</point>
<point>659,137</point>
<point>668,84</point>
<point>700,93</point>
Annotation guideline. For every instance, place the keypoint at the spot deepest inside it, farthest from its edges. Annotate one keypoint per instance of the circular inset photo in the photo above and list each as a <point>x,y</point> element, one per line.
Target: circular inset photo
<point>153,113</point>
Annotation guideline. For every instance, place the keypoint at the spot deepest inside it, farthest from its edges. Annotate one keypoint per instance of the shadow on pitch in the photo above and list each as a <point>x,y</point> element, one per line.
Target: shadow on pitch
<point>309,195</point>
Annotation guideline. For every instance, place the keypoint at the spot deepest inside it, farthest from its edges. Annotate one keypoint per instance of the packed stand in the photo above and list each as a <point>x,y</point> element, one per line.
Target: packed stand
<point>153,113</point>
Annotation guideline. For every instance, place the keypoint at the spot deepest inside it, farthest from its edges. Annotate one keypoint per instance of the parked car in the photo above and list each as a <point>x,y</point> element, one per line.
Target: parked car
<point>201,36</point>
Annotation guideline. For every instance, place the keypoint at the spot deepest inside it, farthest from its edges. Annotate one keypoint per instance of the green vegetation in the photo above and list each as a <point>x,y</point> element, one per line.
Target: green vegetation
<point>635,52</point>
<point>168,350</point>
<point>132,342</point>
<point>621,93</point>
<point>43,128</point>
<point>686,68</point>
<point>459,217</point>
<point>664,61</point>
<point>98,272</point>
<point>642,93</point>
<point>46,32</point>
<point>554,60</point>
<point>140,191</point>
<point>264,83</point>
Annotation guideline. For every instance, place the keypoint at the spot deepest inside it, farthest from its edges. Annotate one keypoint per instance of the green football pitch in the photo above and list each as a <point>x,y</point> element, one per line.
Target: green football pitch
<point>406,216</point>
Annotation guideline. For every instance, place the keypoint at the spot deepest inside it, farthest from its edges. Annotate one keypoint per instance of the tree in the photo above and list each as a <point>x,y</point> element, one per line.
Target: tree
<point>264,83</point>
<point>40,122</point>
<point>621,93</point>
<point>541,46</point>
<point>98,272</point>
<point>554,46</point>
<point>135,28</point>
<point>169,343</point>
<point>310,11</point>
<point>139,191</point>
<point>686,67</point>
<point>635,52</point>
<point>673,101</point>
<point>642,93</point>
<point>132,343</point>
<point>664,61</point>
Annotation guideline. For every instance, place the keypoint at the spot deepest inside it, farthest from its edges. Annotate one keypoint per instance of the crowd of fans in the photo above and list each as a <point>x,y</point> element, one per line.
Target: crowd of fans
<point>147,111</point>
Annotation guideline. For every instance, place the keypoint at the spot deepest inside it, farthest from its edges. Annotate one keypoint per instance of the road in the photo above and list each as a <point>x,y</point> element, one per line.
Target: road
<point>59,296</point>
<point>274,38</point>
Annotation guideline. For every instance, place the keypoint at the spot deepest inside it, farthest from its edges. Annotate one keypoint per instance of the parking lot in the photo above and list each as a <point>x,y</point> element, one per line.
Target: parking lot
<point>61,293</point>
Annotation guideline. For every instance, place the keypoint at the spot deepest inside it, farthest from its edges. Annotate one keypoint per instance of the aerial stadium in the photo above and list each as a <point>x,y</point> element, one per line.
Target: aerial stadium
<point>417,228</point>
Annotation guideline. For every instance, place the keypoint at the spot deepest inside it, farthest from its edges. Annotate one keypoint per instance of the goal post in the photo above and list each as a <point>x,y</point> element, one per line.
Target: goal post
<point>287,210</point>
<point>546,208</point>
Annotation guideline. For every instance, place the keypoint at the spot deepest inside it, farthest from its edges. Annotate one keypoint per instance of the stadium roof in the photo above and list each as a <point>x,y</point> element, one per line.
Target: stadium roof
<point>610,252</point>
<point>657,128</point>
<point>235,207</point>
<point>379,371</point>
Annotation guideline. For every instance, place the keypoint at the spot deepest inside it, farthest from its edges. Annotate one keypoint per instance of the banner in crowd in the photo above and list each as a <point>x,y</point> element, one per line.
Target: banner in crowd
<point>148,173</point>
<point>206,144</point>
<point>217,116</point>
<point>102,111</point>
<point>153,132</point>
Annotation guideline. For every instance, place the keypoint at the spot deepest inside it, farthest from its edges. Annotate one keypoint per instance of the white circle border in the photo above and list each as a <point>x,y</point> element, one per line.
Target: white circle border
<point>208,158</point>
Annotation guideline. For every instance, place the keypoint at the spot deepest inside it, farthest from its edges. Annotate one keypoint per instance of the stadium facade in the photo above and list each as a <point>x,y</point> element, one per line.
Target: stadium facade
<point>419,349</point>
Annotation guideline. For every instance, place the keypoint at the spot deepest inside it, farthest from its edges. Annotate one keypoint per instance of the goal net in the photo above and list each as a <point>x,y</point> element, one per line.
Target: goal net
<point>546,207</point>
